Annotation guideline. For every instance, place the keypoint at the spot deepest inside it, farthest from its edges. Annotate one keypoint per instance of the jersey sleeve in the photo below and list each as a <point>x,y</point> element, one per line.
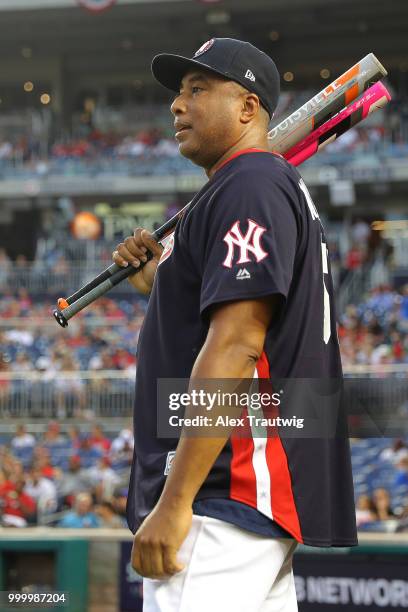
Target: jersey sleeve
<point>251,240</point>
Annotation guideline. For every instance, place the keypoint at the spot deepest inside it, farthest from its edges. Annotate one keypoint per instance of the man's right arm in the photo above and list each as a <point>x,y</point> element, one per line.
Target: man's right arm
<point>132,252</point>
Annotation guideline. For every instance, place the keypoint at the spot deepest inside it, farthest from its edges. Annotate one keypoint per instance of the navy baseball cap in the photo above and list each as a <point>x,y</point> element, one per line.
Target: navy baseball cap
<point>233,59</point>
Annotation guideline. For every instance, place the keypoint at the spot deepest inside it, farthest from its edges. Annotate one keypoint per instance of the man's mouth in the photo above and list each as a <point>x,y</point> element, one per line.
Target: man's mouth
<point>180,129</point>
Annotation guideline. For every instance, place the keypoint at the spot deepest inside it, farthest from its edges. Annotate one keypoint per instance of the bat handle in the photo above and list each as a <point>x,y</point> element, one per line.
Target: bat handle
<point>89,286</point>
<point>62,316</point>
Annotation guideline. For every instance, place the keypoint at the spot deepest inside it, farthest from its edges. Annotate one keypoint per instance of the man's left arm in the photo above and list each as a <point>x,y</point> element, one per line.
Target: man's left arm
<point>234,343</point>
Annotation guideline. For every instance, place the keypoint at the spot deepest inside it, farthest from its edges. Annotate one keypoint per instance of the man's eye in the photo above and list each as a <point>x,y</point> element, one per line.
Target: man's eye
<point>196,89</point>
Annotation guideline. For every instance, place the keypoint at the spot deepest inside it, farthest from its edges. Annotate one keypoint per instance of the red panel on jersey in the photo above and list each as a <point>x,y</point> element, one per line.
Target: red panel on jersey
<point>283,504</point>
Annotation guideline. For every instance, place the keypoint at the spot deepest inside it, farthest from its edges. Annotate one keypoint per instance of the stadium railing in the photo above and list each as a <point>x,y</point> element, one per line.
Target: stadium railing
<point>66,394</point>
<point>156,163</point>
<point>382,388</point>
<point>44,280</point>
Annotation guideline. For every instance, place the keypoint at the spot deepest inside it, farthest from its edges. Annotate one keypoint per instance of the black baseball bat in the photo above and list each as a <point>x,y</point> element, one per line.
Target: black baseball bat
<point>111,276</point>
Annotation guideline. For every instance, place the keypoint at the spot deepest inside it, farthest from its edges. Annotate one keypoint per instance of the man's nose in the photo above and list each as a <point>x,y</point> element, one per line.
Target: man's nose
<point>178,105</point>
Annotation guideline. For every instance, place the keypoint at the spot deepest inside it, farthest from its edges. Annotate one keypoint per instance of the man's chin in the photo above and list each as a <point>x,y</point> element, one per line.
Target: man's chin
<point>189,153</point>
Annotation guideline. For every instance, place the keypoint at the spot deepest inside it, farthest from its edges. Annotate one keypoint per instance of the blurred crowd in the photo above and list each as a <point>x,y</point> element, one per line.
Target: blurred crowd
<point>374,511</point>
<point>381,483</point>
<point>153,147</point>
<point>104,336</point>
<point>78,480</point>
<point>375,332</point>
<point>64,479</point>
<point>38,363</point>
<point>356,249</point>
<point>149,141</point>
<point>61,263</point>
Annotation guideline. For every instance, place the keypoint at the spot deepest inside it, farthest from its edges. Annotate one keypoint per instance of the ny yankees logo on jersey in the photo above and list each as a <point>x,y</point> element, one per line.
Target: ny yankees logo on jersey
<point>245,244</point>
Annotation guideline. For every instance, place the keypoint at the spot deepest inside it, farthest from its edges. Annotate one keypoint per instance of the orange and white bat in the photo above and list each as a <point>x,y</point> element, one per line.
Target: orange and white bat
<point>375,98</point>
<point>325,104</point>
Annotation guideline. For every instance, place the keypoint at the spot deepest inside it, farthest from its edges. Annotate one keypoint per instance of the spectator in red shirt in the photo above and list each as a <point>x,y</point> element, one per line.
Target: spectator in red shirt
<point>123,359</point>
<point>354,258</point>
<point>397,346</point>
<point>42,461</point>
<point>113,311</point>
<point>16,503</point>
<point>98,439</point>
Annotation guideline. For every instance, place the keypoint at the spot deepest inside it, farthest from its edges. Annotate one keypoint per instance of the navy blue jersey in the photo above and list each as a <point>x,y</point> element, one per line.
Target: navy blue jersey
<point>251,231</point>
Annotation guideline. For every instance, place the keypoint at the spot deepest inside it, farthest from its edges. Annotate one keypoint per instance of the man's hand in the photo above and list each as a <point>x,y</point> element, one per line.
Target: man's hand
<point>133,251</point>
<point>158,539</point>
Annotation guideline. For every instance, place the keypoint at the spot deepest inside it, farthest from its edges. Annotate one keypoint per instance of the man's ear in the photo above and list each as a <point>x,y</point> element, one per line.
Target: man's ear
<point>250,107</point>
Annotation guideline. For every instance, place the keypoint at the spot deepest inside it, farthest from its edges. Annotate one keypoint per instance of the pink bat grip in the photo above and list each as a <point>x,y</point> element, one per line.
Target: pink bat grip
<point>374,98</point>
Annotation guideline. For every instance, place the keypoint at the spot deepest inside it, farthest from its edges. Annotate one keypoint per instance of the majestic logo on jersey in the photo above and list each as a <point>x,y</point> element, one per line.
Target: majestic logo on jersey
<point>242,245</point>
<point>168,248</point>
<point>243,274</point>
<point>207,45</point>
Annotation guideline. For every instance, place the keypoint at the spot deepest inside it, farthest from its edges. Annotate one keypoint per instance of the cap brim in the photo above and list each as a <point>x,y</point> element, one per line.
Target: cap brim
<point>169,69</point>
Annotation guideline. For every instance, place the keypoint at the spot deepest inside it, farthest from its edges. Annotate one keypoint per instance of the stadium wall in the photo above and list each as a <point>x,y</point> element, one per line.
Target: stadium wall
<point>93,567</point>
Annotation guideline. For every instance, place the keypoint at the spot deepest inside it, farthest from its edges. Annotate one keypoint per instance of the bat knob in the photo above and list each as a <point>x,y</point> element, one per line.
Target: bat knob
<point>59,317</point>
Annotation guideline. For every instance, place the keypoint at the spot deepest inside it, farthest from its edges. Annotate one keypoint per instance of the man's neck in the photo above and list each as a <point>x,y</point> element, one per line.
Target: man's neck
<point>259,144</point>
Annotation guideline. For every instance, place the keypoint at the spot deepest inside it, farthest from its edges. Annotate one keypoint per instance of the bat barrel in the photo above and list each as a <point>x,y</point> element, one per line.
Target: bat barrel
<point>376,97</point>
<point>325,104</point>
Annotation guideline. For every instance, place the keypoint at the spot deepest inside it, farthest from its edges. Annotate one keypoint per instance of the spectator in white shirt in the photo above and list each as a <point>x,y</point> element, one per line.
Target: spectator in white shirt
<point>122,442</point>
<point>103,478</point>
<point>22,439</point>
<point>396,453</point>
<point>43,491</point>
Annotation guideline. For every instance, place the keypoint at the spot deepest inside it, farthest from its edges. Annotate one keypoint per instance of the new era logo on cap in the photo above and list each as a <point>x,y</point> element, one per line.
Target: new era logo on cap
<point>250,75</point>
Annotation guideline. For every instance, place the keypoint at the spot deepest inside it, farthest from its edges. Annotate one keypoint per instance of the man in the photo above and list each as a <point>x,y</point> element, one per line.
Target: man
<point>82,516</point>
<point>243,289</point>
<point>72,480</point>
<point>102,478</point>
<point>15,502</point>
<point>22,439</point>
<point>43,491</point>
<point>52,436</point>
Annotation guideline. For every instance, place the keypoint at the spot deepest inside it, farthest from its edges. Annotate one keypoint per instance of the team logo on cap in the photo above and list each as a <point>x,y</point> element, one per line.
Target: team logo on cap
<point>96,6</point>
<point>204,48</point>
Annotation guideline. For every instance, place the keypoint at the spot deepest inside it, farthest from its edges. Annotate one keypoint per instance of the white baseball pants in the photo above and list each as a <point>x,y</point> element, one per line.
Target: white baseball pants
<point>228,570</point>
